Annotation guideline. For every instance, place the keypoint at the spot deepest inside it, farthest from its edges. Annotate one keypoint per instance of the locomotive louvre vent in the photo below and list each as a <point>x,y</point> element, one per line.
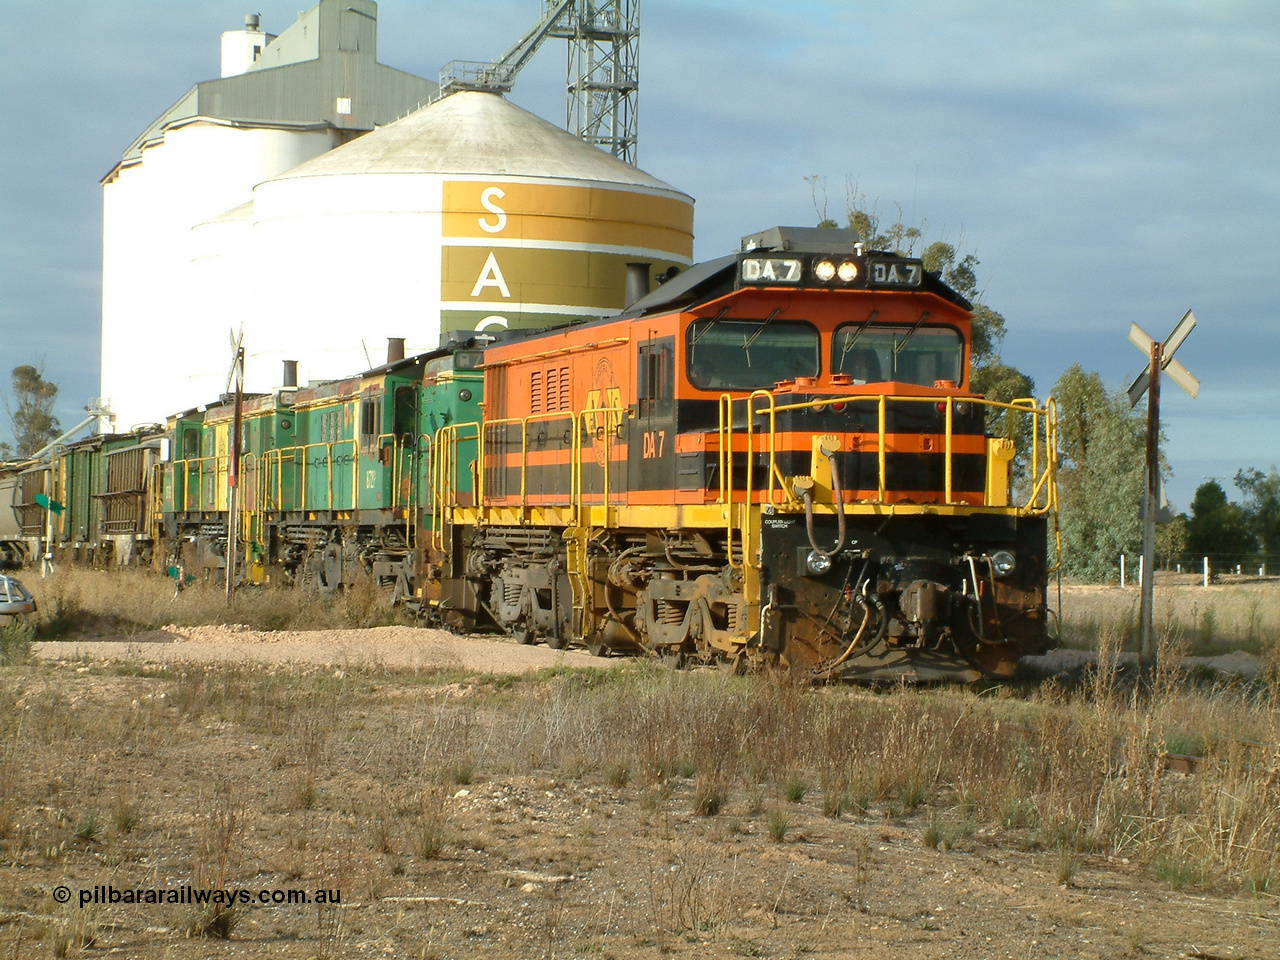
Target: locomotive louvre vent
<point>553,390</point>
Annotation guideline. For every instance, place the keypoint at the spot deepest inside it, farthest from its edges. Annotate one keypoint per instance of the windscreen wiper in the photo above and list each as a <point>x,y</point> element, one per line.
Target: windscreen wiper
<point>759,330</point>
<point>710,323</point>
<point>844,351</point>
<point>897,347</point>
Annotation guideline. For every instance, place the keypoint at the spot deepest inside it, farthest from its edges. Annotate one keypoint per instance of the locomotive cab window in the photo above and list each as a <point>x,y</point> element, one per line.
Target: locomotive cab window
<point>902,354</point>
<point>750,354</point>
<point>654,378</point>
<point>370,416</point>
<point>406,411</point>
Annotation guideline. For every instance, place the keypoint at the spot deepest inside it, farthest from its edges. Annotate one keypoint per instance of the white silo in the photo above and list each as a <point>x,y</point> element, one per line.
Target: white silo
<point>281,100</point>
<point>468,214</point>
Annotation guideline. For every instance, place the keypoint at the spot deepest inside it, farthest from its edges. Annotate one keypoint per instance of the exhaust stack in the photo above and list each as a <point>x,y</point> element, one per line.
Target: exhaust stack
<point>637,282</point>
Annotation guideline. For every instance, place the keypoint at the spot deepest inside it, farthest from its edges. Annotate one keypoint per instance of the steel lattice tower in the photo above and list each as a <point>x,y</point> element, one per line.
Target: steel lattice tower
<point>604,74</point>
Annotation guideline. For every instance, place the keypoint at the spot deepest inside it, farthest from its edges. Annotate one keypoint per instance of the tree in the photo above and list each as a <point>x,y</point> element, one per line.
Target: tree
<point>1101,474</point>
<point>1171,540</point>
<point>1262,507</point>
<point>960,273</point>
<point>1218,527</point>
<point>31,412</point>
<point>958,269</point>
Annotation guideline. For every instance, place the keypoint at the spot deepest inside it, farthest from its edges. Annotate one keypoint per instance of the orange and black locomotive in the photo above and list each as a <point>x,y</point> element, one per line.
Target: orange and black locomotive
<point>774,456</point>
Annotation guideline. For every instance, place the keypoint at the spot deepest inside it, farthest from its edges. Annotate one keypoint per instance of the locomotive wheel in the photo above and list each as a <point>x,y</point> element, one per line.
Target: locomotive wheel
<point>331,571</point>
<point>596,646</point>
<point>557,643</point>
<point>524,634</point>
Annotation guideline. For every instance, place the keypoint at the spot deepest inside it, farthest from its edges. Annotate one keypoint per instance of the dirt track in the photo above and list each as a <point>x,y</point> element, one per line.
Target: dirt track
<point>419,648</point>
<point>397,647</point>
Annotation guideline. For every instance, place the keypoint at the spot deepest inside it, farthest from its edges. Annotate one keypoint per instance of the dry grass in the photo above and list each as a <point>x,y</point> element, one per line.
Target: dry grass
<point>76,602</point>
<point>231,774</point>
<point>1234,615</point>
<point>1069,770</point>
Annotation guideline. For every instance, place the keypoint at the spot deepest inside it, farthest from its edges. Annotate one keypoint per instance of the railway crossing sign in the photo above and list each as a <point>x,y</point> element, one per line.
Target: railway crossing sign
<point>1176,371</point>
<point>1160,360</point>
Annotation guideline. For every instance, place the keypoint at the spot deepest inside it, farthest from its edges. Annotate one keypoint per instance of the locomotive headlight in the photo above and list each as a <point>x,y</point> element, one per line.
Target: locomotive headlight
<point>824,270</point>
<point>818,563</point>
<point>962,408</point>
<point>464,394</point>
<point>847,271</point>
<point>1002,563</point>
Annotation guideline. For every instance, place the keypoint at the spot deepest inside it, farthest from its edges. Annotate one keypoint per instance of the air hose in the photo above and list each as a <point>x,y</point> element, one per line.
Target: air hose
<point>837,497</point>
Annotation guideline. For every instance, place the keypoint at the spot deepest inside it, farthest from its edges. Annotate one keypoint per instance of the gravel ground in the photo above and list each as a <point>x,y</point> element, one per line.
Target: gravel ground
<point>413,647</point>
<point>533,864</point>
<point>398,647</point>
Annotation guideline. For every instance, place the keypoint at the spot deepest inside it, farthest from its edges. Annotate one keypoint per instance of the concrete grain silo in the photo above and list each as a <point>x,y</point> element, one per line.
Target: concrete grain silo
<point>470,214</point>
<point>309,198</point>
<point>280,101</point>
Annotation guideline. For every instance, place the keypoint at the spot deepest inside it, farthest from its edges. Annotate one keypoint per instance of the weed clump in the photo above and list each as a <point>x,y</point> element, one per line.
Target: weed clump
<point>779,825</point>
<point>709,796</point>
<point>15,642</point>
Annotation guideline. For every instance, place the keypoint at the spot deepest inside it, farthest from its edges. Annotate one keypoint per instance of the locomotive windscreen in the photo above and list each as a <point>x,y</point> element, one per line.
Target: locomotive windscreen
<point>750,354</point>
<point>877,353</point>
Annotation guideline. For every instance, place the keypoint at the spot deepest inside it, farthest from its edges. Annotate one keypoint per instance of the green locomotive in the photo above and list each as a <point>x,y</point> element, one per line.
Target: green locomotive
<point>333,479</point>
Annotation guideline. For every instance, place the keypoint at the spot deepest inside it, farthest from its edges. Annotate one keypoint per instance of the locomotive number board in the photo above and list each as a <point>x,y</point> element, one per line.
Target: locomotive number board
<point>895,273</point>
<point>830,270</point>
<point>772,270</point>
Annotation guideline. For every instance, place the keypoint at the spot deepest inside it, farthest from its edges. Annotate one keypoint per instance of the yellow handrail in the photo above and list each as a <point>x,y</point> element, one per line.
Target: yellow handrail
<point>725,437</point>
<point>443,460</point>
<point>1041,498</point>
<point>882,417</point>
<point>946,494</point>
<point>611,420</point>
<point>524,444</point>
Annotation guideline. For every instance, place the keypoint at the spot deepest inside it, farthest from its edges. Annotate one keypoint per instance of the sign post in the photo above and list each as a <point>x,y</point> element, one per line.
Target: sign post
<point>234,375</point>
<point>1160,358</point>
<point>51,506</point>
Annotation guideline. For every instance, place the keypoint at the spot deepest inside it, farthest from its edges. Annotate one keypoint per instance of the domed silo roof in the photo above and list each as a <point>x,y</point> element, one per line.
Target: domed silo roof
<point>472,133</point>
<point>468,214</point>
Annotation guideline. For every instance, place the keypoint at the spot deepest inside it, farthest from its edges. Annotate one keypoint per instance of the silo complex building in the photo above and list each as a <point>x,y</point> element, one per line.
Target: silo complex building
<point>260,201</point>
<point>280,101</point>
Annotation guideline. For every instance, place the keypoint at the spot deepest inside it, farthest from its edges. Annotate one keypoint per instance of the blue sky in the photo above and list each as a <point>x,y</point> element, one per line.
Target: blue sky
<point>1107,162</point>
